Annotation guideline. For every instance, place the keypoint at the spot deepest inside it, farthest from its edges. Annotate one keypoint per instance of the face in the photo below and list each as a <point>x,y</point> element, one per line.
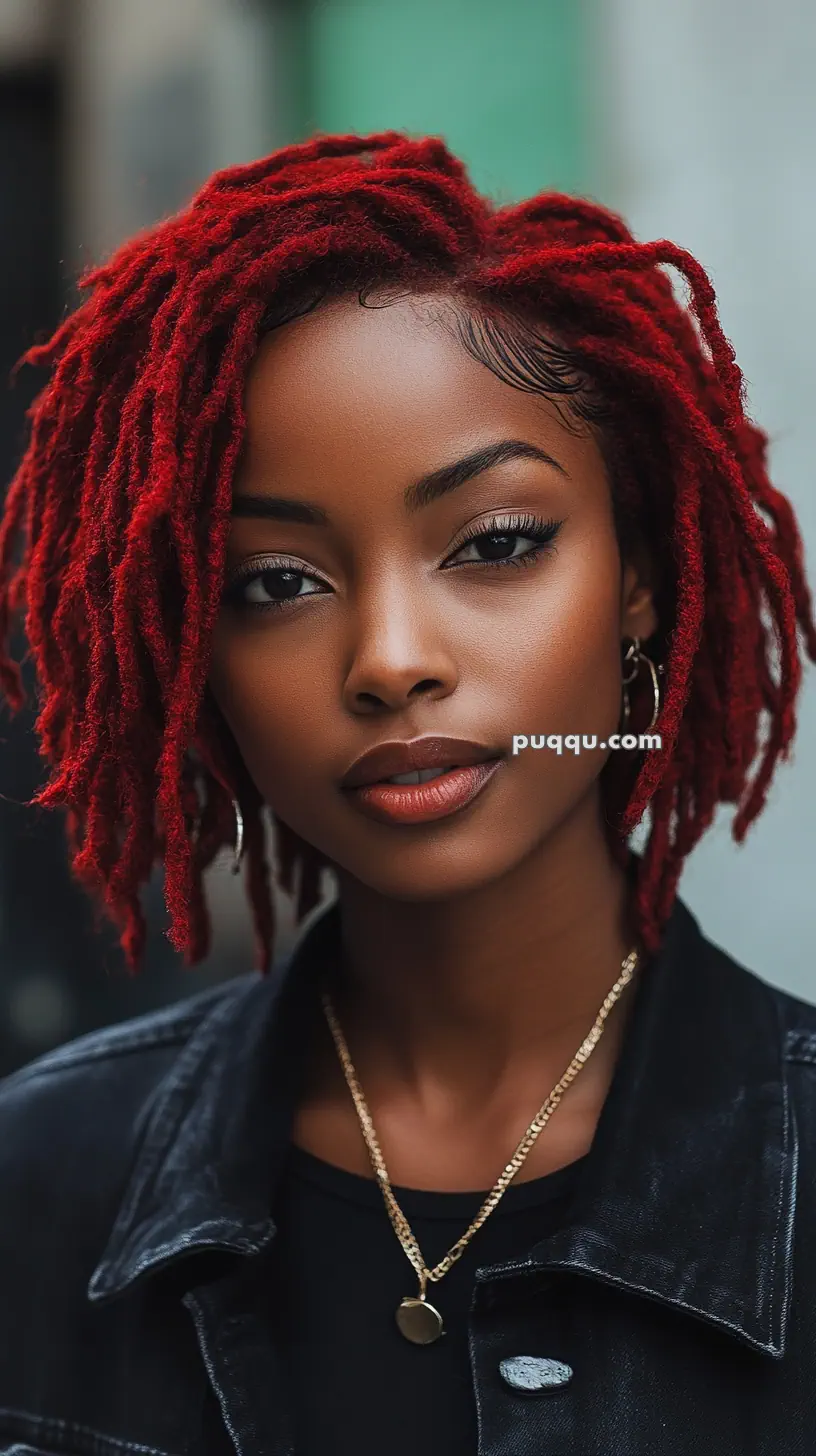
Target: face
<point>494,609</point>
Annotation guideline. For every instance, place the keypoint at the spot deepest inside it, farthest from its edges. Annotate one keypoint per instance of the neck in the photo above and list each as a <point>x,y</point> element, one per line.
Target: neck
<point>469,1002</point>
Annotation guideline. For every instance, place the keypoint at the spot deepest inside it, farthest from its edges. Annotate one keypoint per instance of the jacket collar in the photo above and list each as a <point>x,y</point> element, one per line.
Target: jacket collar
<point>687,1195</point>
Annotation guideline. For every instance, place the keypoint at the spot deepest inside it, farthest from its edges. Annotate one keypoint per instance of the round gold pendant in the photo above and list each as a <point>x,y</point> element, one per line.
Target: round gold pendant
<point>419,1322</point>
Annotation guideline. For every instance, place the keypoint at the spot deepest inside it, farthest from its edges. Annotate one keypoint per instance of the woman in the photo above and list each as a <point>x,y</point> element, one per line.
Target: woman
<point>504,1159</point>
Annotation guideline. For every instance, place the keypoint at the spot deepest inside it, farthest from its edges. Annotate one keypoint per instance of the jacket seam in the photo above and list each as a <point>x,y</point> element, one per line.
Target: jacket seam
<point>628,1280</point>
<point>158,1040</point>
<point>58,1432</point>
<point>176,1034</point>
<point>786,1130</point>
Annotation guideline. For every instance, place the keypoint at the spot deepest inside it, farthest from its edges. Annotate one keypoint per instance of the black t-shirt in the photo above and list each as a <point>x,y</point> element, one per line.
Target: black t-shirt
<point>357,1387</point>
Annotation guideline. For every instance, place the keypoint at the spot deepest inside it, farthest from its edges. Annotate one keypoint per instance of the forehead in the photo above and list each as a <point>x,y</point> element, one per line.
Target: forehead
<point>389,373</point>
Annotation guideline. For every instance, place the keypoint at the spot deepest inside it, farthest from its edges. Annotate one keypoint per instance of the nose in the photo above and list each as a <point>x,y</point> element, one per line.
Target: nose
<point>399,654</point>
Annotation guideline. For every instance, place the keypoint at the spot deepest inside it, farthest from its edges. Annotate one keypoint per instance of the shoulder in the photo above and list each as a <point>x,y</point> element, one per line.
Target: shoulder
<point>798,1021</point>
<point>78,1110</point>
<point>122,1047</point>
<point>794,1015</point>
<point>789,1021</point>
<point>736,981</point>
<point>751,1010</point>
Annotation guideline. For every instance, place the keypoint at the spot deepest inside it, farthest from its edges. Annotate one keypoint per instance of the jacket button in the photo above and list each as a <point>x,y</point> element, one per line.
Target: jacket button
<point>534,1372</point>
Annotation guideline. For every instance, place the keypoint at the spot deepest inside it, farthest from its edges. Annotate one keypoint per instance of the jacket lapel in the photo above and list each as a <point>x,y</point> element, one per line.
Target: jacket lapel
<point>204,1181</point>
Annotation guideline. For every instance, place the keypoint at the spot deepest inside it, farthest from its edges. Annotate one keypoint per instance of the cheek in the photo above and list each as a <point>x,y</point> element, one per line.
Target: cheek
<point>563,664</point>
<point>267,699</point>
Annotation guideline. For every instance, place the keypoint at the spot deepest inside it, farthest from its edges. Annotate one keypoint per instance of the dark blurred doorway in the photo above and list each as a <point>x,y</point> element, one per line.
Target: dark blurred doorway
<point>39,920</point>
<point>59,976</point>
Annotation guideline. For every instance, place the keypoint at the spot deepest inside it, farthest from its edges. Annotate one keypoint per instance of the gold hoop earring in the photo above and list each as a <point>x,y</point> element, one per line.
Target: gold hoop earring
<point>239,838</point>
<point>635,657</point>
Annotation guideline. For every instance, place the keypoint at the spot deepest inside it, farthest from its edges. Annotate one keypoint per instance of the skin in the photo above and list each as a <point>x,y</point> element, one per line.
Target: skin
<point>479,947</point>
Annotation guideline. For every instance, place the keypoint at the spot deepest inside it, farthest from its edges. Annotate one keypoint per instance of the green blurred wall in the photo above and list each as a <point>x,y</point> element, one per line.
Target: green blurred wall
<point>502,81</point>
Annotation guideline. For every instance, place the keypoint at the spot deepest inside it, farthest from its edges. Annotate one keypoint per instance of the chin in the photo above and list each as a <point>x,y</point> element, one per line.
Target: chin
<point>430,873</point>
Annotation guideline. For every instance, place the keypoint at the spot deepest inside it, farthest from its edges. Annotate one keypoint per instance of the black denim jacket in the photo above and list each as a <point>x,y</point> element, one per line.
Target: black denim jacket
<point>138,1169</point>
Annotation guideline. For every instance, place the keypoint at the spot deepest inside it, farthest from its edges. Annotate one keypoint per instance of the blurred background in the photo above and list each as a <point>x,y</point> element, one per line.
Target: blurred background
<point>694,120</point>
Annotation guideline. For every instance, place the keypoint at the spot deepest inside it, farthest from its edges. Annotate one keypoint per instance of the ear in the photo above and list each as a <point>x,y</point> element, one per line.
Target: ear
<point>638,614</point>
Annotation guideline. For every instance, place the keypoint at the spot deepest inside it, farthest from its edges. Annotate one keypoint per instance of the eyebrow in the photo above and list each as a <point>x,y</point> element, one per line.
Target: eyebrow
<point>416,497</point>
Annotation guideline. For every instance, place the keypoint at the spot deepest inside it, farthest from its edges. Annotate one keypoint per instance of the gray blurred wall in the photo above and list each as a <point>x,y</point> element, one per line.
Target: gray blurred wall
<point>707,109</point>
<point>161,95</point>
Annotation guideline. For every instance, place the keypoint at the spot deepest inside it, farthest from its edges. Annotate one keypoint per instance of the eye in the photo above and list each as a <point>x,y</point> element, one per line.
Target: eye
<point>268,586</point>
<point>501,536</point>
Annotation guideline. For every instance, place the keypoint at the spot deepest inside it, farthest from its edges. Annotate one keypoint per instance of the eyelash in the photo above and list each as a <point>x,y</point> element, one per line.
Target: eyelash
<point>532,528</point>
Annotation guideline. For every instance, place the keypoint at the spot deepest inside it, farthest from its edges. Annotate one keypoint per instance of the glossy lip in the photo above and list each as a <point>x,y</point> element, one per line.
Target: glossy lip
<point>421,803</point>
<point>385,760</point>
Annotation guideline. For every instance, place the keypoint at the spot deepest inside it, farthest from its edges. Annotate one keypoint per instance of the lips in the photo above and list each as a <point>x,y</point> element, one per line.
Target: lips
<point>386,760</point>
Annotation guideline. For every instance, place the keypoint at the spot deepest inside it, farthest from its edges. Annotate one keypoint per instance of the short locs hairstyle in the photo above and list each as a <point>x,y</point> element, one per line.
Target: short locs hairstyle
<point>113,537</point>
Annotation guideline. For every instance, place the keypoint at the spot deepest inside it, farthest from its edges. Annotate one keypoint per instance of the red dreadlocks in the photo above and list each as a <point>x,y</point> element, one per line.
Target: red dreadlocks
<point>122,499</point>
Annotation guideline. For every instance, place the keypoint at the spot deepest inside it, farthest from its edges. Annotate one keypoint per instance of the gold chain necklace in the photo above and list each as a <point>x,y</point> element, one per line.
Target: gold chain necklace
<point>418,1320</point>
